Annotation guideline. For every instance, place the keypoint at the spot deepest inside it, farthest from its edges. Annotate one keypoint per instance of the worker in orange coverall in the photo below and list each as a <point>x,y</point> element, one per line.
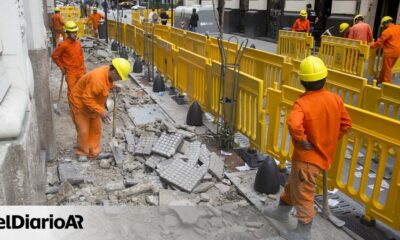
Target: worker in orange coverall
<point>390,41</point>
<point>302,24</point>
<point>360,30</point>
<point>94,19</point>
<point>88,99</point>
<point>69,57</point>
<point>57,24</point>
<point>316,123</point>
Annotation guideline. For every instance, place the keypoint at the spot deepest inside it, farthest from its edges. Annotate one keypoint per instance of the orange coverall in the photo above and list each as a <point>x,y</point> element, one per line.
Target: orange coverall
<point>88,98</point>
<point>95,19</point>
<point>301,25</point>
<point>390,41</point>
<point>320,118</point>
<point>69,57</point>
<point>57,23</point>
<point>361,31</point>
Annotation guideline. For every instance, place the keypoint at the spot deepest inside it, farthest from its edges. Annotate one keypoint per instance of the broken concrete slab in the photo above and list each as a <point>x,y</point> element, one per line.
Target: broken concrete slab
<point>204,154</point>
<point>216,166</point>
<point>154,160</point>
<point>129,182</point>
<point>145,144</point>
<point>187,135</point>
<point>64,192</point>
<point>117,153</point>
<point>52,190</point>
<point>184,147</point>
<point>68,172</point>
<point>152,200</point>
<point>203,187</point>
<point>193,152</point>
<point>144,114</point>
<point>167,144</point>
<point>204,197</point>
<point>115,186</point>
<point>170,127</point>
<point>137,189</point>
<point>130,141</point>
<point>105,163</point>
<point>222,188</point>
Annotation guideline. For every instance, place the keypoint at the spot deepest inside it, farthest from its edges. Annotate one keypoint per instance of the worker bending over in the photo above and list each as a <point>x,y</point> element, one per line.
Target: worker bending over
<point>69,57</point>
<point>94,19</point>
<point>88,105</point>
<point>345,29</point>
<point>57,25</point>
<point>390,41</point>
<point>360,30</point>
<point>302,24</point>
<point>316,123</point>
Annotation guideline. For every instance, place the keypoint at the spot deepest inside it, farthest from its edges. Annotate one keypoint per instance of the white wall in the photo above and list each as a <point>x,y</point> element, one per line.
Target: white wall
<point>190,2</point>
<point>296,6</point>
<point>344,7</point>
<point>232,4</point>
<point>257,5</point>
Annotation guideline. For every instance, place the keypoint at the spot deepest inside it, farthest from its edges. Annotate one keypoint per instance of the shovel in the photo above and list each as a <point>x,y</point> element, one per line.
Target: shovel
<point>326,213</point>
<point>55,105</point>
<point>115,99</point>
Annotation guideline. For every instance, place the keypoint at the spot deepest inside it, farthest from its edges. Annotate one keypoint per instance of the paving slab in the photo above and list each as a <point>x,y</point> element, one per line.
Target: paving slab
<point>117,153</point>
<point>154,160</point>
<point>145,144</point>
<point>193,152</point>
<point>167,144</point>
<point>68,172</point>
<point>144,114</point>
<point>216,166</point>
<point>130,141</point>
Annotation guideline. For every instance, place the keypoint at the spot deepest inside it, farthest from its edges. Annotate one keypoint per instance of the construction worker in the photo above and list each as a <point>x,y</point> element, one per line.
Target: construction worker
<point>302,24</point>
<point>94,19</point>
<point>69,57</point>
<point>360,30</point>
<point>57,25</point>
<point>390,41</point>
<point>316,123</point>
<point>312,17</point>
<point>88,99</point>
<point>345,29</point>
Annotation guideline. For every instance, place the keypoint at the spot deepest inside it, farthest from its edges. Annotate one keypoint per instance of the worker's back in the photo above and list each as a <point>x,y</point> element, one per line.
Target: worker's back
<point>57,21</point>
<point>391,41</point>
<point>361,31</point>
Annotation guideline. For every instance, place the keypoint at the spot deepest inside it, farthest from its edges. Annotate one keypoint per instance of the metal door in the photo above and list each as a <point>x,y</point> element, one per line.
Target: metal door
<point>274,12</point>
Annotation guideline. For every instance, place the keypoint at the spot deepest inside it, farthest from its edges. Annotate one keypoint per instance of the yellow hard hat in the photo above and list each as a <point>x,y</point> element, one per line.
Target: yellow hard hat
<point>312,69</point>
<point>385,19</point>
<point>303,13</point>
<point>343,27</point>
<point>94,8</point>
<point>56,9</point>
<point>122,66</point>
<point>70,26</point>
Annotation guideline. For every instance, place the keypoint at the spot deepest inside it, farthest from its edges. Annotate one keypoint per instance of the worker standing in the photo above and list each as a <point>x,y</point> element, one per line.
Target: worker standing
<point>345,29</point>
<point>360,30</point>
<point>193,22</point>
<point>57,25</point>
<point>164,17</point>
<point>88,105</point>
<point>69,57</point>
<point>94,19</point>
<point>316,123</point>
<point>302,24</point>
<point>390,41</point>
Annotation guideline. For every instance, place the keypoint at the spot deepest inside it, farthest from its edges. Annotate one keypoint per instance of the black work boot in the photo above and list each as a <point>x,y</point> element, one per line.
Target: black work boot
<point>281,213</point>
<point>301,232</point>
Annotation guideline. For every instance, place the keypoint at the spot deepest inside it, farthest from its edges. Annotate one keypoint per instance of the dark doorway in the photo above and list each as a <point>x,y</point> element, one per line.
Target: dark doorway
<point>384,8</point>
<point>243,8</point>
<point>323,8</point>
<point>274,12</point>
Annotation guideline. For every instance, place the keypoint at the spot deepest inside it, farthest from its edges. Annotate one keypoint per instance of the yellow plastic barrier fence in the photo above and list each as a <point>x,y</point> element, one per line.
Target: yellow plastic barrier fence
<point>375,63</point>
<point>384,101</point>
<point>196,43</point>
<point>139,40</point>
<point>150,47</point>
<point>162,31</point>
<point>135,16</point>
<point>122,33</point>
<point>296,45</point>
<point>345,55</point>
<point>70,13</point>
<point>268,67</point>
<point>177,37</point>
<point>191,75</point>
<point>165,59</point>
<point>112,29</point>
<point>378,193</point>
<point>213,51</point>
<point>130,36</point>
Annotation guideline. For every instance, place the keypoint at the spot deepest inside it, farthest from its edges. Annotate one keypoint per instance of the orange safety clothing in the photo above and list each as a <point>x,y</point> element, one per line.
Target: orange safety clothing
<point>95,19</point>
<point>390,41</point>
<point>301,25</point>
<point>346,33</point>
<point>69,57</point>
<point>57,24</point>
<point>88,99</point>
<point>320,118</point>
<point>299,190</point>
<point>361,31</point>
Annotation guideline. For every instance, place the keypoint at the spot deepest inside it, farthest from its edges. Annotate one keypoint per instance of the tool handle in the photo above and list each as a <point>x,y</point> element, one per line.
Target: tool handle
<point>61,87</point>
<point>115,97</point>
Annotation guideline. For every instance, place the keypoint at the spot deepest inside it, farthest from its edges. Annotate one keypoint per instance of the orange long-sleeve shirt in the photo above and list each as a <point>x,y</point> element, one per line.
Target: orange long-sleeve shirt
<point>57,22</point>
<point>95,19</point>
<point>319,117</point>
<point>301,25</point>
<point>91,91</point>
<point>69,56</point>
<point>361,31</point>
<point>390,41</point>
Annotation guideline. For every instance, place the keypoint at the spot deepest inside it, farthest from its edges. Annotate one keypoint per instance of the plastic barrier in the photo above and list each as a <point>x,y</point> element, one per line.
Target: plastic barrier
<point>345,55</point>
<point>70,13</point>
<point>162,31</point>
<point>296,45</point>
<point>112,29</point>
<point>213,51</point>
<point>196,43</point>
<point>121,34</point>
<point>177,37</point>
<point>139,40</point>
<point>191,75</point>
<point>130,36</point>
<point>375,63</point>
<point>165,59</point>
<point>384,101</point>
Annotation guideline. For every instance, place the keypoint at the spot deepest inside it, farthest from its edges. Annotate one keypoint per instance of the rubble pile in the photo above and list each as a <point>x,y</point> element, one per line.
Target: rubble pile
<point>96,51</point>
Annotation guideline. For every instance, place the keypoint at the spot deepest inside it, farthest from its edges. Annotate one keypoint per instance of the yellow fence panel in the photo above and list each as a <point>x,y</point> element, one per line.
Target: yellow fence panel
<point>121,35</point>
<point>196,43</point>
<point>375,63</point>
<point>345,55</point>
<point>214,88</point>
<point>112,29</point>
<point>369,131</point>
<point>139,40</point>
<point>213,51</point>
<point>177,37</point>
<point>296,45</point>
<point>130,36</point>
<point>165,59</point>
<point>384,101</point>
<point>191,75</point>
<point>162,31</point>
<point>70,13</point>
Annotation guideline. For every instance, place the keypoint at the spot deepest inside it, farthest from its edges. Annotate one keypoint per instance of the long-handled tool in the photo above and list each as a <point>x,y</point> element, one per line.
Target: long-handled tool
<point>326,213</point>
<point>115,98</point>
<point>55,105</point>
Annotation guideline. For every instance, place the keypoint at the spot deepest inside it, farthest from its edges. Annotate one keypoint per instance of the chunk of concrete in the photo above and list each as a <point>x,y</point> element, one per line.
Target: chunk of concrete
<point>137,189</point>
<point>204,197</point>
<point>222,188</point>
<point>152,200</point>
<point>216,167</point>
<point>167,144</point>
<point>67,172</point>
<point>203,187</point>
<point>254,224</point>
<point>105,163</point>
<point>115,186</point>
<point>130,141</point>
<point>117,153</point>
